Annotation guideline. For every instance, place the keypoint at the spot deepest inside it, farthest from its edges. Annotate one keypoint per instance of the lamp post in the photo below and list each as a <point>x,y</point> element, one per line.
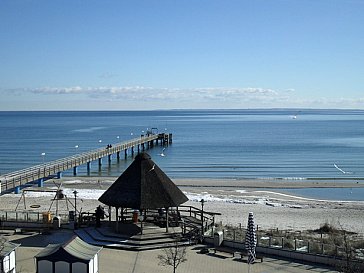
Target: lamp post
<point>202,223</point>
<point>76,148</point>
<point>75,194</point>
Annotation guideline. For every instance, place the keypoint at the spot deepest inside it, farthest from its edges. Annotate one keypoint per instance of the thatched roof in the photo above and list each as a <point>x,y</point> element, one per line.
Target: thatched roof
<point>143,185</point>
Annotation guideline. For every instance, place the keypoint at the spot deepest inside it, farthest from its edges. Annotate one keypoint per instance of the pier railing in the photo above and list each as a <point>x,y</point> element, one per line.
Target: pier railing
<point>24,176</point>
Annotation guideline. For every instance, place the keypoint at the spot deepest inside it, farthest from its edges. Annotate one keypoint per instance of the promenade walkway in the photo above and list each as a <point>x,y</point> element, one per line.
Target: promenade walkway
<point>122,261</point>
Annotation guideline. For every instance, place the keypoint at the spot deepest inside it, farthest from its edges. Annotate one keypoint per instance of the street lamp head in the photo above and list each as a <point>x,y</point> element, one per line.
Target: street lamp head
<point>75,192</point>
<point>43,156</point>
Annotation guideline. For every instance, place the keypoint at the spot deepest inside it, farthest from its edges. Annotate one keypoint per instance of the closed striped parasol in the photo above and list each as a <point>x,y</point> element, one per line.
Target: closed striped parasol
<point>250,239</point>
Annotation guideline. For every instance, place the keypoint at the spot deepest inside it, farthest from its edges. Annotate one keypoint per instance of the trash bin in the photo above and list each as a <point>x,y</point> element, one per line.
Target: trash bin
<point>72,220</point>
<point>135,216</point>
<point>56,222</point>
<point>47,217</point>
<point>218,238</point>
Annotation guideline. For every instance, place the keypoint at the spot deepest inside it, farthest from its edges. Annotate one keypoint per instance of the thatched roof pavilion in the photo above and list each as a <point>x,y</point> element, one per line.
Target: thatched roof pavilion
<point>143,185</point>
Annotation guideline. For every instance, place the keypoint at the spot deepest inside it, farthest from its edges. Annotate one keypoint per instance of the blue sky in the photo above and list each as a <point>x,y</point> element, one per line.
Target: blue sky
<point>126,55</point>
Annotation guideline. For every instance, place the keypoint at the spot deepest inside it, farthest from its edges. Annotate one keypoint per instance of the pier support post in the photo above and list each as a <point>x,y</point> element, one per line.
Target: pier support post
<point>109,158</point>
<point>88,167</point>
<point>138,148</point>
<point>118,156</point>
<point>126,153</point>
<point>75,170</point>
<point>59,175</point>
<point>132,151</point>
<point>40,182</point>
<point>170,138</point>
<point>100,161</point>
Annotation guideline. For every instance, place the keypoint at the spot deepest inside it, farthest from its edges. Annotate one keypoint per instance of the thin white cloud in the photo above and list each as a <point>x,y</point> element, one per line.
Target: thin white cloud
<point>147,93</point>
<point>54,90</point>
<point>208,97</point>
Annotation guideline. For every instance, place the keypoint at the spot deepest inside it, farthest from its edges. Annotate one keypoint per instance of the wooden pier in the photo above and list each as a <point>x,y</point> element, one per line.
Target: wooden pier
<point>36,174</point>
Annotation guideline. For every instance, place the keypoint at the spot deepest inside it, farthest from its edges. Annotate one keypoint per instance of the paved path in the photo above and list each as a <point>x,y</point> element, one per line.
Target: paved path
<point>147,261</point>
<point>121,261</point>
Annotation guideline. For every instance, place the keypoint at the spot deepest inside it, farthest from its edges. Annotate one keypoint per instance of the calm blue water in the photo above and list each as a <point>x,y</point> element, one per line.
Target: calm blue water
<point>206,143</point>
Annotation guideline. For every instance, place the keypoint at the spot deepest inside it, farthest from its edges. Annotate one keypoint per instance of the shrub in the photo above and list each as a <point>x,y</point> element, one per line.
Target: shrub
<point>326,228</point>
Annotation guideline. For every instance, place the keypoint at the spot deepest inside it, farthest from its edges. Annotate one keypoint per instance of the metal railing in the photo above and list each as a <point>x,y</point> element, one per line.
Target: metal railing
<point>24,176</point>
<point>319,246</point>
<point>28,217</point>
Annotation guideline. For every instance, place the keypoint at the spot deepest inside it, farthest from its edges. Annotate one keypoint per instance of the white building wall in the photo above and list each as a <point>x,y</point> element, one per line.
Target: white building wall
<point>12,260</point>
<point>91,266</point>
<point>6,264</point>
<point>96,263</point>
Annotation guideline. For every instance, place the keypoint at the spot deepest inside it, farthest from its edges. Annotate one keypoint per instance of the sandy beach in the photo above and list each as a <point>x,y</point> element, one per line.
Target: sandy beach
<point>234,199</point>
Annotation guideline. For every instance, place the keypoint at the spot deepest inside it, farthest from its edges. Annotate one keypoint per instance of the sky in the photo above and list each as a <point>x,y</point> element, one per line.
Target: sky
<point>186,54</point>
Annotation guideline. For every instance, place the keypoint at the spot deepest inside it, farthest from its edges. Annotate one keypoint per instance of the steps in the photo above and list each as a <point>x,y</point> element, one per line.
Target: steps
<point>152,238</point>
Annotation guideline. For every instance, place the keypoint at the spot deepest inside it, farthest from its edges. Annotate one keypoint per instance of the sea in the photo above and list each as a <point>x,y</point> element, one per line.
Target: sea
<point>272,144</point>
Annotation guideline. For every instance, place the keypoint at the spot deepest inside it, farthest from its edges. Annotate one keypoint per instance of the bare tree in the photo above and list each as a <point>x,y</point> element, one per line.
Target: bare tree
<point>173,256</point>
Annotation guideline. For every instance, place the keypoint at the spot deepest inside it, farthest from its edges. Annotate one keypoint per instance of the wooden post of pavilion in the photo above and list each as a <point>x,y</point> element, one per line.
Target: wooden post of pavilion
<point>109,211</point>
<point>141,222</point>
<point>167,224</point>
<point>117,219</point>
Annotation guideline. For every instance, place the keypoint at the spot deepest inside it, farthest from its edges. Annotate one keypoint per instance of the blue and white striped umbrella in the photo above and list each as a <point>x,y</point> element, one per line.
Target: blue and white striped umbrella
<point>251,239</point>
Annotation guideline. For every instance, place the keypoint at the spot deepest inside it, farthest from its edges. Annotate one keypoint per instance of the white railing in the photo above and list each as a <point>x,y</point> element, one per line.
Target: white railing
<point>20,177</point>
